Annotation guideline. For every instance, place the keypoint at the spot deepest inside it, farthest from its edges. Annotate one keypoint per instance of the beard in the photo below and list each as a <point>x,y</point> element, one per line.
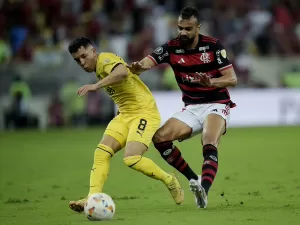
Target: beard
<point>185,41</point>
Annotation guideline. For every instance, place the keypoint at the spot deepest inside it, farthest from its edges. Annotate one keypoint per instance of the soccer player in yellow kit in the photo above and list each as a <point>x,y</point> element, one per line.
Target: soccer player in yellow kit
<point>134,126</point>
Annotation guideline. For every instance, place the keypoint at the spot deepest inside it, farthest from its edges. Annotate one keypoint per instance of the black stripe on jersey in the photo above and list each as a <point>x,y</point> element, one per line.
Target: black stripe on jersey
<point>196,68</point>
<point>209,96</point>
<point>194,100</point>
<point>116,66</point>
<point>180,80</point>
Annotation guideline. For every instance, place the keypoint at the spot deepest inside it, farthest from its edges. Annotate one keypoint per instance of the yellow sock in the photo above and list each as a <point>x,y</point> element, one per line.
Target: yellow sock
<point>147,167</point>
<point>100,168</point>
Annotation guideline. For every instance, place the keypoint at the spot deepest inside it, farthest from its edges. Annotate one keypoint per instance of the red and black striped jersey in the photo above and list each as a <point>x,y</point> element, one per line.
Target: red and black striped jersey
<point>208,57</point>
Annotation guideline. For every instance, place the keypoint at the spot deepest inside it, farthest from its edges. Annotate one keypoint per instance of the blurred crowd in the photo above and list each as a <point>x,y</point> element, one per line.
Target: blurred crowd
<point>132,29</point>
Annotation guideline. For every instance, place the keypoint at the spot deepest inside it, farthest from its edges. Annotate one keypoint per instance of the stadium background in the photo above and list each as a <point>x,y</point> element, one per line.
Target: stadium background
<point>262,40</point>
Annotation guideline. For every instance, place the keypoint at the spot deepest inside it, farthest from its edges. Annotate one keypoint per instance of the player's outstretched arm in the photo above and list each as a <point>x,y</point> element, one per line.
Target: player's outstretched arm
<point>117,75</point>
<point>141,66</point>
<point>228,79</point>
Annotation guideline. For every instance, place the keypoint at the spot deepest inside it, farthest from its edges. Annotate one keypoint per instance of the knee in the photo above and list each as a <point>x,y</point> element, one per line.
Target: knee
<point>131,154</point>
<point>158,138</point>
<point>162,135</point>
<point>134,148</point>
<point>130,161</point>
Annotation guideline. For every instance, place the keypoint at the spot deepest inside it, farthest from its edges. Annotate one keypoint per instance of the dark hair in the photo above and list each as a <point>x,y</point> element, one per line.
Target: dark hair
<point>79,42</point>
<point>188,12</point>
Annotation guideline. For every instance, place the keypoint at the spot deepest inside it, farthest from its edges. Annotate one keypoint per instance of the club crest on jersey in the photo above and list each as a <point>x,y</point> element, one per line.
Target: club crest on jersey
<point>158,50</point>
<point>205,57</point>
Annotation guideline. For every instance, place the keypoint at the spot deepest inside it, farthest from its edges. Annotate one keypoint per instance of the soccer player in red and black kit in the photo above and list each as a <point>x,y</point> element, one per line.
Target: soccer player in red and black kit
<point>203,72</point>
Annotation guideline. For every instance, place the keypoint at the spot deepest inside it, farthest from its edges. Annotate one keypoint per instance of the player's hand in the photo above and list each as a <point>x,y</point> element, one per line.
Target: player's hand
<point>137,67</point>
<point>86,88</point>
<point>203,79</point>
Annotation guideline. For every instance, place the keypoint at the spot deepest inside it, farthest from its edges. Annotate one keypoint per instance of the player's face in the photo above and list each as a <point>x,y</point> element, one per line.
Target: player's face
<point>187,29</point>
<point>86,58</point>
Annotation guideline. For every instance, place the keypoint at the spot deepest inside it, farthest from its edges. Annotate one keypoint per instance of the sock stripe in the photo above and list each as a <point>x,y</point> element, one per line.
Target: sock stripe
<point>210,163</point>
<point>209,147</point>
<point>209,171</point>
<point>178,162</point>
<point>104,150</point>
<point>136,162</point>
<point>209,175</point>
<point>207,178</point>
<point>176,155</point>
<point>173,157</point>
<point>204,167</point>
<point>183,166</point>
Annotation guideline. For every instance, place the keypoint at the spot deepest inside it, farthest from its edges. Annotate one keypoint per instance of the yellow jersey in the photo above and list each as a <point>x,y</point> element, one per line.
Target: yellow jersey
<point>132,95</point>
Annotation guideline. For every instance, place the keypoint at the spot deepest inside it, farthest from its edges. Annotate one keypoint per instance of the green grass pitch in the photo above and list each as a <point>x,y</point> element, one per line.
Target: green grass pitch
<point>258,180</point>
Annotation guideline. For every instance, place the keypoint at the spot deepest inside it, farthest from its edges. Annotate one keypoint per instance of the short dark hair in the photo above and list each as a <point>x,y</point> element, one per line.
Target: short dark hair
<point>188,12</point>
<point>77,43</point>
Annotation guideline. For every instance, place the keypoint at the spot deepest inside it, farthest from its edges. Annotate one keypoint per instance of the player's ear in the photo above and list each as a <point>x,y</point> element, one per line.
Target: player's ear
<point>94,51</point>
<point>198,27</point>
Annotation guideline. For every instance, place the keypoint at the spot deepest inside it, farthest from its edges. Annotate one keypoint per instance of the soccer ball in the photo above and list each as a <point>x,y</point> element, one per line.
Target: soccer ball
<point>99,206</point>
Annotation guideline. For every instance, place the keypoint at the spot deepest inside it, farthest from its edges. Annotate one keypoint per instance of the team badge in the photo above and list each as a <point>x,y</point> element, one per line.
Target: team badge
<point>205,57</point>
<point>223,53</point>
<point>158,50</point>
<point>106,61</point>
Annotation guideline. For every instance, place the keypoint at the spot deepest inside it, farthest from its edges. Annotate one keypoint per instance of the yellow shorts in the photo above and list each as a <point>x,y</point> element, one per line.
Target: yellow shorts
<point>139,127</point>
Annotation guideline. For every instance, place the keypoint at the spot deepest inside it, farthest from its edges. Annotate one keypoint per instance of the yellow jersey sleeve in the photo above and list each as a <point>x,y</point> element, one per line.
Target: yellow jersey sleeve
<point>107,62</point>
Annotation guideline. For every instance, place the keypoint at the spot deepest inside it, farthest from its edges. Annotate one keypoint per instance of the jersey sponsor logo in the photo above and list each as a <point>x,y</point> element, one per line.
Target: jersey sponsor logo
<point>110,91</point>
<point>158,50</point>
<point>187,78</point>
<point>163,56</point>
<point>215,110</point>
<point>218,53</point>
<point>179,51</point>
<point>205,57</point>
<point>204,48</point>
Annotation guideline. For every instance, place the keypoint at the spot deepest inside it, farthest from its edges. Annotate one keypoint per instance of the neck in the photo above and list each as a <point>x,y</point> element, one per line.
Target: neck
<point>97,56</point>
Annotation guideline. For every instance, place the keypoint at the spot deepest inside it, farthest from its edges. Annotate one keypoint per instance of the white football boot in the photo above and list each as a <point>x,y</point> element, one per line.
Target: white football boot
<point>199,192</point>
